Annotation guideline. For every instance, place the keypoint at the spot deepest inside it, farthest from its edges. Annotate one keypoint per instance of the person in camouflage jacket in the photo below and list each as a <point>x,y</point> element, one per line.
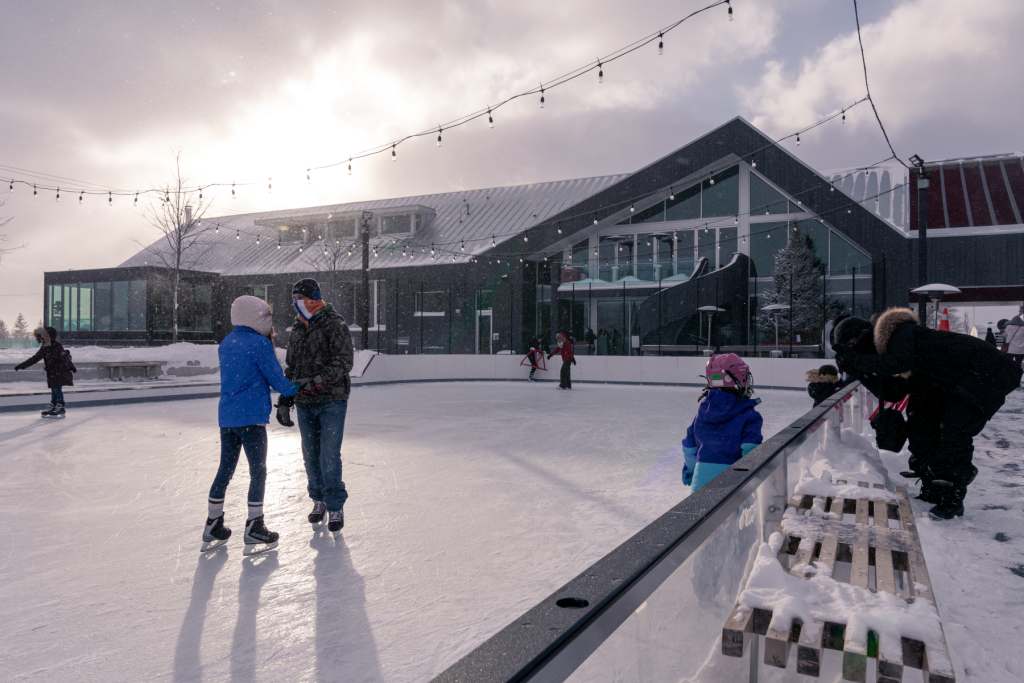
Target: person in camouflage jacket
<point>319,358</point>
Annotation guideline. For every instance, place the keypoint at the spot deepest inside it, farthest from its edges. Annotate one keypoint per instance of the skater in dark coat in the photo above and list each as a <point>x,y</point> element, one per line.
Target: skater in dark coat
<point>823,382</point>
<point>565,350</point>
<point>956,384</point>
<point>60,368</point>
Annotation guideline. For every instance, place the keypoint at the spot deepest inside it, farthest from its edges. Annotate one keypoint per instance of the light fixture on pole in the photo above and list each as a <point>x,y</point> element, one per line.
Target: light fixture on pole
<point>774,310</point>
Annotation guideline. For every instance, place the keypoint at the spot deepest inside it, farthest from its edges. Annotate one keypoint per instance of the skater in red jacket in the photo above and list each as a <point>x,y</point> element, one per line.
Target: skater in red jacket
<point>564,341</point>
<point>535,358</point>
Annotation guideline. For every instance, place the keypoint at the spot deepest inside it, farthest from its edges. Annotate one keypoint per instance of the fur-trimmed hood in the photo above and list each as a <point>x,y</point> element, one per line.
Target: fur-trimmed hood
<point>43,333</point>
<point>888,322</point>
<point>816,376</point>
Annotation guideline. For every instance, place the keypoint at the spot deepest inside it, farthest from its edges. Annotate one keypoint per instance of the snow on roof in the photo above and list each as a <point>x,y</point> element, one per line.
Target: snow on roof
<point>472,215</point>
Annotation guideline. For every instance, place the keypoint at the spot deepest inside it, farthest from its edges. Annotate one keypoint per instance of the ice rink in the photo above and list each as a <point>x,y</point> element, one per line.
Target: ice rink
<point>469,502</point>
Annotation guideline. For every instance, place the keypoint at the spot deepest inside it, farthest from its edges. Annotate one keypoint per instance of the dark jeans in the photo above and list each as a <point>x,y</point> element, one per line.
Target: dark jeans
<point>56,394</point>
<point>232,439</point>
<point>941,434</point>
<point>565,376</point>
<point>322,426</point>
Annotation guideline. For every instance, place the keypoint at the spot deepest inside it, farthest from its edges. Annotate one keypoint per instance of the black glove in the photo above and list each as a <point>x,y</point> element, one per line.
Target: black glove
<point>574,361</point>
<point>284,411</point>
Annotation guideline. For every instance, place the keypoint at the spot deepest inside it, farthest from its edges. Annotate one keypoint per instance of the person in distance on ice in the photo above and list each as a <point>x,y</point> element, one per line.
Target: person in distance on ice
<point>320,355</point>
<point>59,367</point>
<point>727,425</point>
<point>535,357</point>
<point>565,350</point>
<point>956,384</point>
<point>248,370</point>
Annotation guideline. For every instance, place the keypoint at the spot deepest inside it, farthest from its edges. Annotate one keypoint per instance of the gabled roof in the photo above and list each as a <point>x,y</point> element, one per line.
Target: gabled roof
<point>472,215</point>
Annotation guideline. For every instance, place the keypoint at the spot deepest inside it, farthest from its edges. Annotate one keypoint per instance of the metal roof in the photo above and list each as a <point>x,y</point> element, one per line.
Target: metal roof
<point>472,215</point>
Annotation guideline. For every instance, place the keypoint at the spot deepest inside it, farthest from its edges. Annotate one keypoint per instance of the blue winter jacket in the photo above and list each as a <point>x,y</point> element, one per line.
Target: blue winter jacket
<point>248,369</point>
<point>726,428</point>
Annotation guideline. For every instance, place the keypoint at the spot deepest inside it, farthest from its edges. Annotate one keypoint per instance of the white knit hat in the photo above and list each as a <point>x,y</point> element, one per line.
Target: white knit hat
<point>252,311</point>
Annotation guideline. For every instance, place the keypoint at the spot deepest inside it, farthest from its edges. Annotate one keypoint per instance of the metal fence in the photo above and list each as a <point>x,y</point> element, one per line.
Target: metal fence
<point>653,608</point>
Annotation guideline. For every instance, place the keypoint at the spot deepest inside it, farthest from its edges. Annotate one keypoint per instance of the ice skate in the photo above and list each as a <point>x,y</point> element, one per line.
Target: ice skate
<point>317,515</point>
<point>258,539</point>
<point>57,412</point>
<point>336,522</point>
<point>46,412</point>
<point>215,534</point>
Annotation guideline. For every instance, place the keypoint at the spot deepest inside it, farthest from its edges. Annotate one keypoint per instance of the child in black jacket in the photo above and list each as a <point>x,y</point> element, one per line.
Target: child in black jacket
<point>823,382</point>
<point>59,368</point>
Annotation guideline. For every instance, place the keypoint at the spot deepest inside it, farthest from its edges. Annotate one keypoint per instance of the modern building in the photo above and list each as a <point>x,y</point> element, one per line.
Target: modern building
<point>681,254</point>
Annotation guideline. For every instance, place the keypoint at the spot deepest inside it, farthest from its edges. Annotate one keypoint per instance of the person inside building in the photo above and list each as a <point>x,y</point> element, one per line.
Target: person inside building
<point>956,384</point>
<point>320,357</point>
<point>59,368</point>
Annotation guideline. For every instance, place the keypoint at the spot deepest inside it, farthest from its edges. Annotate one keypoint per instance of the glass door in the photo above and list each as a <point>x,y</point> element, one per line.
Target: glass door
<point>484,338</point>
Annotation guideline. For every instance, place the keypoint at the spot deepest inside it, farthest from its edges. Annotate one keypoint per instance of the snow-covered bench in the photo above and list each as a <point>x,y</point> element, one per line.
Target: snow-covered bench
<point>844,572</point>
<point>131,369</point>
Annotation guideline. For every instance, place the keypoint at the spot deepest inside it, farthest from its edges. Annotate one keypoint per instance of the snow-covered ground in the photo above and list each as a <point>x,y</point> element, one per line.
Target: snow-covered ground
<point>469,503</point>
<point>976,563</point>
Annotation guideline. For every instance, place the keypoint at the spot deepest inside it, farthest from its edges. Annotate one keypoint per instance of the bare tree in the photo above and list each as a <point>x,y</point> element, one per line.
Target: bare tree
<point>178,215</point>
<point>329,257</point>
<point>3,238</point>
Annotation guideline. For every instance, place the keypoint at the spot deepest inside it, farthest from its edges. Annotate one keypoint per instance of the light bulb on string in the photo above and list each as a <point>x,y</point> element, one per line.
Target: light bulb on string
<point>526,238</point>
<point>34,191</point>
<point>600,72</point>
<point>12,186</point>
<point>216,228</point>
<point>798,139</point>
<point>394,152</point>
<point>520,259</point>
<point>110,199</point>
<point>232,190</point>
<point>595,219</point>
<point>431,248</point>
<point>490,118</point>
<point>558,228</point>
<point>200,194</point>
<point>308,177</point>
<point>439,131</point>
<point>462,247</point>
<point>541,96</point>
<point>493,243</point>
<point>661,43</point>
<point>844,115</point>
<point>238,235</point>
<point>81,196</point>
<point>753,164</point>
<point>270,184</point>
<point>300,249</point>
<point>671,194</point>
<point>632,208</point>
<point>167,197</point>
<point>58,194</point>
<point>350,165</point>
<point>711,181</point>
<point>595,251</point>
<point>257,240</point>
<point>728,4</point>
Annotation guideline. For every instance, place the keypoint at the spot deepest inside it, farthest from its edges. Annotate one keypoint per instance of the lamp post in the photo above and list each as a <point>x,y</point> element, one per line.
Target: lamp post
<point>922,227</point>
<point>774,310</point>
<point>710,310</point>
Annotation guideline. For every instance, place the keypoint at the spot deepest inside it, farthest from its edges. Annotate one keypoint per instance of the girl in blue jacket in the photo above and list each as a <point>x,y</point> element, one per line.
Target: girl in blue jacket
<point>727,425</point>
<point>248,370</point>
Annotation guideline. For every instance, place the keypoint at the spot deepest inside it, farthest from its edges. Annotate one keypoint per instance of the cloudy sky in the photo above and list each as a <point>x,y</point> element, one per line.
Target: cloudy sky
<point>107,93</point>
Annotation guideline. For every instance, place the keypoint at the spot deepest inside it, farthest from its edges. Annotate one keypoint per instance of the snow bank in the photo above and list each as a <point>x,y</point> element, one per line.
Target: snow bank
<point>843,455</point>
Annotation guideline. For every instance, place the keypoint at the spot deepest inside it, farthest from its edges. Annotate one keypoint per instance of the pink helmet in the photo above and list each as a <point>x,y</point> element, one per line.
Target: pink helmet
<point>728,371</point>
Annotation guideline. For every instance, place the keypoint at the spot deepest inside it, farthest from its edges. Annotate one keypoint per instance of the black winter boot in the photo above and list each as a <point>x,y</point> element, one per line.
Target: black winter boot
<point>951,500</point>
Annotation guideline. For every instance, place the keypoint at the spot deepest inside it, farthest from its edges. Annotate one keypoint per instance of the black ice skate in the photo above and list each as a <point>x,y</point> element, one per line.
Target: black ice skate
<point>317,515</point>
<point>257,538</point>
<point>46,413</point>
<point>336,522</point>
<point>57,412</point>
<point>215,534</point>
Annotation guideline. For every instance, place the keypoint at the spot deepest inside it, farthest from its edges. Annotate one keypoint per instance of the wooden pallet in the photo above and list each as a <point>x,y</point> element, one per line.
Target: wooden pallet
<point>863,533</point>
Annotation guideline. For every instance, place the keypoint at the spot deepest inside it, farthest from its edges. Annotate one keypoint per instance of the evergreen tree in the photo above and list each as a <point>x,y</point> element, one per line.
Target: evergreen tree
<point>797,284</point>
<point>5,334</point>
<point>20,327</point>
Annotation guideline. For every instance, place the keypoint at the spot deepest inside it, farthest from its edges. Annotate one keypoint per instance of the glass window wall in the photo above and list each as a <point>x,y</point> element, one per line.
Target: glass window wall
<point>726,245</point>
<point>706,246</point>
<point>645,244</point>
<point>606,254</point>
<point>765,240</point>
<point>764,199</point>
<point>685,206</point>
<point>684,252</point>
<point>98,306</point>
<point>665,265</point>
<point>720,194</point>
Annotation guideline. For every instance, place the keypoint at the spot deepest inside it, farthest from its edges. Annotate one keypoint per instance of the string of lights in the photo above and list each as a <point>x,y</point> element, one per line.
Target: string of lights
<point>867,88</point>
<point>46,182</point>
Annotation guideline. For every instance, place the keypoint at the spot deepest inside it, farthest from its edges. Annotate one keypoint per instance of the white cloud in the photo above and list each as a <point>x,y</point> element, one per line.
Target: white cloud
<point>931,63</point>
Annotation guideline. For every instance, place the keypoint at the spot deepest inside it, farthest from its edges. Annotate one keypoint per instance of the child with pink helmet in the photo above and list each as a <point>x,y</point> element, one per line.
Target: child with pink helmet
<point>727,425</point>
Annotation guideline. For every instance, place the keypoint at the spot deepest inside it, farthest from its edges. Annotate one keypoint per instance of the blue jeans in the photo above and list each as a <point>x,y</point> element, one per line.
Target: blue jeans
<point>322,426</point>
<point>56,394</point>
<point>232,439</point>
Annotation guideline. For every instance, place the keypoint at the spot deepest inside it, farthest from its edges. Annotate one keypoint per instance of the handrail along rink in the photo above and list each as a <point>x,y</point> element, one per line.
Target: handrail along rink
<point>554,638</point>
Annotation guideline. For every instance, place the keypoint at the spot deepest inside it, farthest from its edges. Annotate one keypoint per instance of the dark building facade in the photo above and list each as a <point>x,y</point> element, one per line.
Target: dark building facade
<point>679,255</point>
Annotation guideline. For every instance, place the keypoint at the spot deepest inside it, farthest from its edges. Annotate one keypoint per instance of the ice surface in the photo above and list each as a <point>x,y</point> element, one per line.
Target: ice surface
<point>469,503</point>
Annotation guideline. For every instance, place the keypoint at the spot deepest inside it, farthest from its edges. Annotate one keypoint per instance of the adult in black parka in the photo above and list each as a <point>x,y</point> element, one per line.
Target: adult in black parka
<point>956,384</point>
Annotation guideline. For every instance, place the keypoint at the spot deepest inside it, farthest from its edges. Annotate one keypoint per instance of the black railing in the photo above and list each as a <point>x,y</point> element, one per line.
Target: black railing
<point>551,640</point>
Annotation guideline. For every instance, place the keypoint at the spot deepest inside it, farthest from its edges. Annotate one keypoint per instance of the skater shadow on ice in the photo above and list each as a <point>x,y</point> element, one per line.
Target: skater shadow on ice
<point>345,648</point>
<point>187,666</point>
<point>244,643</point>
<point>38,423</point>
